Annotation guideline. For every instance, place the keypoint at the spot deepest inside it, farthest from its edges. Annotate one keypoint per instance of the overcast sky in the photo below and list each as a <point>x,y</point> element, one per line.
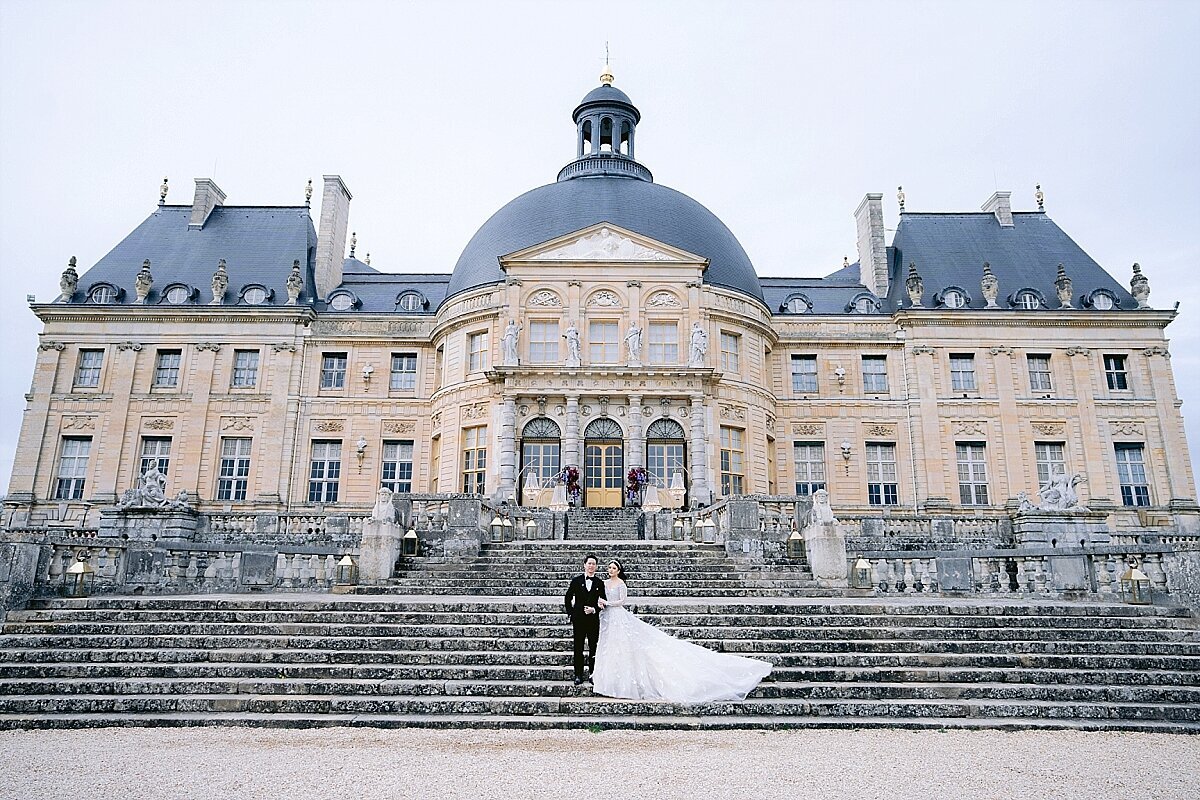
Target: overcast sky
<point>777,116</point>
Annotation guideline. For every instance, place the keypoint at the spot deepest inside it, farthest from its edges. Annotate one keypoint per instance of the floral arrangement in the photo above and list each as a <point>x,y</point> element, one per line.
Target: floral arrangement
<point>636,481</point>
<point>570,476</point>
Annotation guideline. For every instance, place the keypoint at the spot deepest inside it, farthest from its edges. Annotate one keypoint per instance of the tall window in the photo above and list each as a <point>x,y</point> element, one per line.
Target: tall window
<point>543,342</point>
<point>882,489</point>
<point>810,466</point>
<point>235,469</point>
<point>72,467</point>
<point>1039,374</point>
<point>874,374</point>
<point>166,368</point>
<point>972,474</point>
<point>962,372</point>
<point>603,342</point>
<point>664,343</point>
<point>439,367</point>
<point>1131,474</point>
<point>733,469</point>
<point>1115,374</point>
<point>324,472</point>
<point>156,450</point>
<point>1050,458</point>
<point>245,369</point>
<point>474,460</point>
<point>87,374</point>
<point>730,344</point>
<point>804,374</point>
<point>333,371</point>
<point>477,348</point>
<point>397,466</point>
<point>404,372</point>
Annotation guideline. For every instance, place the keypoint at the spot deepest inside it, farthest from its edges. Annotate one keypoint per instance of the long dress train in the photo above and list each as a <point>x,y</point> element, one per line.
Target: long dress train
<point>638,661</point>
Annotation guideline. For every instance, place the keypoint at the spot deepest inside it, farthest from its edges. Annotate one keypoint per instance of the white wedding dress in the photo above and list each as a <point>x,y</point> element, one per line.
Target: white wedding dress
<point>638,661</point>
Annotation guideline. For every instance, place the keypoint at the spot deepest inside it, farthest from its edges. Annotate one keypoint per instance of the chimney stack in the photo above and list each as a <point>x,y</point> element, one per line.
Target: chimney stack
<point>331,235</point>
<point>872,248</point>
<point>1000,205</point>
<point>208,197</point>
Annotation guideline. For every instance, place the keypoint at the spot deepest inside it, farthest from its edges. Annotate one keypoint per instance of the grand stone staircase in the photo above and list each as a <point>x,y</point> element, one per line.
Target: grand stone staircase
<point>610,524</point>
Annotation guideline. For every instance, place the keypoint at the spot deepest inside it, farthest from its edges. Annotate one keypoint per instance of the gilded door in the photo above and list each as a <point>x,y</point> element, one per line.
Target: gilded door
<point>604,474</point>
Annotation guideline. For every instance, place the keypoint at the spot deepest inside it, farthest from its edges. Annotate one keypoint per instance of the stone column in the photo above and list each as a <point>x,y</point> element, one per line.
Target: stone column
<point>637,438</point>
<point>1179,475</point>
<point>106,468</point>
<point>31,465</point>
<point>508,449</point>
<point>929,439</point>
<point>698,451</point>
<point>1008,454</point>
<point>571,448</point>
<point>1094,456</point>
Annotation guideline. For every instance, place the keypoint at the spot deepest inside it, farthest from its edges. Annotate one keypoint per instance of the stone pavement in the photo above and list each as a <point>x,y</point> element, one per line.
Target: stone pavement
<point>342,763</point>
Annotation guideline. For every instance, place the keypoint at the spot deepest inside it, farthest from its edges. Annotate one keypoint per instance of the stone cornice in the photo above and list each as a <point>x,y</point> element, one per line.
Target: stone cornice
<point>56,312</point>
<point>956,318</point>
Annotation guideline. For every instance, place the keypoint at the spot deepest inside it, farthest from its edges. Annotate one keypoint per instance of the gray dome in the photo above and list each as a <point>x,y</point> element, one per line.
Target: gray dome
<point>560,208</point>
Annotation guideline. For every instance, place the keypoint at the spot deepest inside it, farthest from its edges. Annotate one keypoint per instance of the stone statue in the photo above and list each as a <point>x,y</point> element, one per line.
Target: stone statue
<point>822,512</point>
<point>512,335</point>
<point>989,284</point>
<point>220,282</point>
<point>69,281</point>
<point>914,286</point>
<point>1058,494</point>
<point>1024,504</point>
<point>1139,286</point>
<point>143,282</point>
<point>699,346</point>
<point>294,283</point>
<point>572,337</point>
<point>384,510</point>
<point>154,486</point>
<point>1062,285</point>
<point>151,493</point>
<point>633,341</point>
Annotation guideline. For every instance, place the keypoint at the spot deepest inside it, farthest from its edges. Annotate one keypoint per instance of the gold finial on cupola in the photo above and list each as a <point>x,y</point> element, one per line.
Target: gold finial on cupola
<point>606,77</point>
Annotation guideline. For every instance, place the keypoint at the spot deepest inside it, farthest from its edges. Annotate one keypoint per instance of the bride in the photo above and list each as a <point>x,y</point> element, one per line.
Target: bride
<point>638,661</point>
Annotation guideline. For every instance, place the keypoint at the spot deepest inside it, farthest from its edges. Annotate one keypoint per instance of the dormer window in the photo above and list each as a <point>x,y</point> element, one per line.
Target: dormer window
<point>255,295</point>
<point>1028,300</point>
<point>863,303</point>
<point>177,294</point>
<point>342,301</point>
<point>953,298</point>
<point>797,304</point>
<point>410,301</point>
<point>1102,300</point>
<point>103,294</point>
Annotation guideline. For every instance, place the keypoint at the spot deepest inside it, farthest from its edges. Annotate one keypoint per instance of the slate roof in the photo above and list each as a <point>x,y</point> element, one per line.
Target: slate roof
<point>258,243</point>
<point>825,295</point>
<point>647,208</point>
<point>378,291</point>
<point>949,250</point>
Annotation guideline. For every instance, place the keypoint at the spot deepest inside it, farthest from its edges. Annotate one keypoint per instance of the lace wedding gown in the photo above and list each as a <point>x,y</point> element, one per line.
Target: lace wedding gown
<point>638,661</point>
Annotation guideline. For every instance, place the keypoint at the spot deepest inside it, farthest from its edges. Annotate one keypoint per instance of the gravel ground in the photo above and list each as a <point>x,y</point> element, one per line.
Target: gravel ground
<point>354,763</point>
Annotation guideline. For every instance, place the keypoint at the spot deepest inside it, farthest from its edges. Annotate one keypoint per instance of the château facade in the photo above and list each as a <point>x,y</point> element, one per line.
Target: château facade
<point>603,322</point>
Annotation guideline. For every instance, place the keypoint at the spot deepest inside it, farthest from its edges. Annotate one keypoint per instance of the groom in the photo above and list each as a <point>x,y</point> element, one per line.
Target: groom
<point>584,610</point>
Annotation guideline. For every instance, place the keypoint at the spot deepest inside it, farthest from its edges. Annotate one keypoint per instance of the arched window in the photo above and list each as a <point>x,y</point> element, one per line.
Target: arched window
<point>585,138</point>
<point>177,294</point>
<point>863,303</point>
<point>541,449</point>
<point>603,428</point>
<point>255,294</point>
<point>606,135</point>
<point>1028,300</point>
<point>410,301</point>
<point>1103,300</point>
<point>797,304</point>
<point>954,298</point>
<point>342,301</point>
<point>666,454</point>
<point>103,294</point>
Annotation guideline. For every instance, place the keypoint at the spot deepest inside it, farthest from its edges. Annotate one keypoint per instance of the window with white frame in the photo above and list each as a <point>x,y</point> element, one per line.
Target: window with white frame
<point>397,465</point>
<point>603,342</point>
<point>972,473</point>
<point>874,374</point>
<point>1131,474</point>
<point>882,486</point>
<point>804,374</point>
<point>809,458</point>
<point>477,350</point>
<point>1115,373</point>
<point>245,369</point>
<point>543,342</point>
<point>733,461</point>
<point>156,450</point>
<point>664,343</point>
<point>333,370</point>
<point>1051,459</point>
<point>1039,373</point>
<point>474,460</point>
<point>962,372</point>
<point>325,471</point>
<point>87,373</point>
<point>234,476</point>
<point>72,467</point>
<point>404,372</point>
<point>730,346</point>
<point>166,368</point>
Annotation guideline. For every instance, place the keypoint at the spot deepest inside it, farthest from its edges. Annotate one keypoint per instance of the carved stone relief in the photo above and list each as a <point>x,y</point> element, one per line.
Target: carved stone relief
<point>329,425</point>
<point>1049,428</point>
<point>969,427</point>
<point>603,245</point>
<point>159,424</point>
<point>733,412</point>
<point>545,299</point>
<point>1078,351</point>
<point>1127,427</point>
<point>475,411</point>
<point>663,300</point>
<point>807,428</point>
<point>79,423</point>
<point>399,426</point>
<point>604,299</point>
<point>239,424</point>
<point>879,429</point>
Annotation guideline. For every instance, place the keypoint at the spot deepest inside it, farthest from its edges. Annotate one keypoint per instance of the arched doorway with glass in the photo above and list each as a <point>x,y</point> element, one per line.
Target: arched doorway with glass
<point>541,448</point>
<point>666,455</point>
<point>603,464</point>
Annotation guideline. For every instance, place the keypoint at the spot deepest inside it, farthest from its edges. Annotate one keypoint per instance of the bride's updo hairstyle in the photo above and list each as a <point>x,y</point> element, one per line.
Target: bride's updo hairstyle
<point>620,569</point>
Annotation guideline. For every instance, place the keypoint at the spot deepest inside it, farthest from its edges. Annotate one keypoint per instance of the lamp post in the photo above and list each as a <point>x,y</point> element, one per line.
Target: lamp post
<point>79,579</point>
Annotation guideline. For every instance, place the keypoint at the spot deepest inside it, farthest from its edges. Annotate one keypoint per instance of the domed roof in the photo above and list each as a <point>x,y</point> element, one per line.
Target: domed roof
<point>560,208</point>
<point>605,95</point>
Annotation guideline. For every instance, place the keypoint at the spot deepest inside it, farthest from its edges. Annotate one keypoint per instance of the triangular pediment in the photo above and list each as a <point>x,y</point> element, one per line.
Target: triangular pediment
<point>604,242</point>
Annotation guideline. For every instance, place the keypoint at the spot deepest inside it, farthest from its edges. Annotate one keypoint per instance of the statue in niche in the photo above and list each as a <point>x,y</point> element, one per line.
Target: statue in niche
<point>512,335</point>
<point>699,346</point>
<point>572,337</point>
<point>633,341</point>
<point>384,510</point>
<point>1058,494</point>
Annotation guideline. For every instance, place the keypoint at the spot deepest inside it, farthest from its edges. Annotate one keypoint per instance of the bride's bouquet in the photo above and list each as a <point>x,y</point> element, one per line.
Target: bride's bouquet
<point>635,484</point>
<point>570,477</point>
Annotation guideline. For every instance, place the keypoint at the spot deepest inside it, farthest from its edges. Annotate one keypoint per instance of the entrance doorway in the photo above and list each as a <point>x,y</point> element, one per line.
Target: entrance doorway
<point>603,465</point>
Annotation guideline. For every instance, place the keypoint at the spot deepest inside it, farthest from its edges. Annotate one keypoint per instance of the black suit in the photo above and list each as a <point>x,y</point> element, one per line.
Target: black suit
<point>583,624</point>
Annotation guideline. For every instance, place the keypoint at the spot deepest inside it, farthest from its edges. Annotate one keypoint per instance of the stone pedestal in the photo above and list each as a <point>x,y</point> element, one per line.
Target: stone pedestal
<point>1061,529</point>
<point>379,551</point>
<point>825,546</point>
<point>149,525</point>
